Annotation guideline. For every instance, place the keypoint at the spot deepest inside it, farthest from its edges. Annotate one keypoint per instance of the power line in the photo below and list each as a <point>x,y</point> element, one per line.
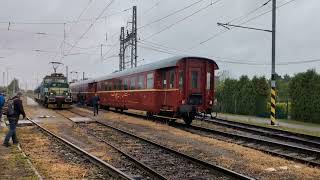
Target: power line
<point>91,25</point>
<point>32,23</point>
<point>168,50</point>
<point>157,50</point>
<point>63,41</point>
<point>173,24</point>
<point>152,7</point>
<point>251,19</point>
<point>249,13</point>
<point>171,14</point>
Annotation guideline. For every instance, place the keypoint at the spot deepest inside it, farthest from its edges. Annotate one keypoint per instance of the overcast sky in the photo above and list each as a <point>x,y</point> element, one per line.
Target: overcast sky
<point>36,32</point>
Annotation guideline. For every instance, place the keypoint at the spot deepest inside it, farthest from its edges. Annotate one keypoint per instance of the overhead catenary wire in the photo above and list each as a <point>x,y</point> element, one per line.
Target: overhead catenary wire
<point>63,41</point>
<point>170,14</point>
<point>251,19</point>
<point>91,25</point>
<point>183,19</point>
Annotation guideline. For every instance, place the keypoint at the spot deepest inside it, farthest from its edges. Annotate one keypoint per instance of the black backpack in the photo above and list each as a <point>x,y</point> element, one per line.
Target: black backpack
<point>9,109</point>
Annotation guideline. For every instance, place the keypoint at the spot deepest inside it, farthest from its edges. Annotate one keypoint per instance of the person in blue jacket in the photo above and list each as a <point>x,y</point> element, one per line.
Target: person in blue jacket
<point>2,101</point>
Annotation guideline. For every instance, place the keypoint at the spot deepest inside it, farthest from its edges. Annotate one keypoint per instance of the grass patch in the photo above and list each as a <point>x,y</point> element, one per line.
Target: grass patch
<point>251,120</point>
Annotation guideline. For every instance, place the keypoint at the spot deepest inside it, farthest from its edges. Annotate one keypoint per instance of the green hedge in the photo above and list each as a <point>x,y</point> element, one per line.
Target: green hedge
<point>244,96</point>
<point>305,96</point>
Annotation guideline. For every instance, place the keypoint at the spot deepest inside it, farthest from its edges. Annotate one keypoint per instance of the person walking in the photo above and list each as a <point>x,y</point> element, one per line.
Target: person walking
<point>15,109</point>
<point>2,101</point>
<point>95,103</point>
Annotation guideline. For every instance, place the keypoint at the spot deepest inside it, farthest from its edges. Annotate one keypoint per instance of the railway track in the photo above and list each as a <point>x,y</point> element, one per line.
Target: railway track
<point>116,173</point>
<point>311,141</point>
<point>300,148</point>
<point>129,161</point>
<point>167,161</point>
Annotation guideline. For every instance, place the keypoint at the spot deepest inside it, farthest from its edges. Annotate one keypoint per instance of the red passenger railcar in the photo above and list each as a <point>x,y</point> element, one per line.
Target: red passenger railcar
<point>178,86</point>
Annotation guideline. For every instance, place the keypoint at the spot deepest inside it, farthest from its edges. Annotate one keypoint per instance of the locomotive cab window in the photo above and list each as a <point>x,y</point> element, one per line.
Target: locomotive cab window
<point>171,75</point>
<point>194,80</point>
<point>150,81</point>
<point>208,80</point>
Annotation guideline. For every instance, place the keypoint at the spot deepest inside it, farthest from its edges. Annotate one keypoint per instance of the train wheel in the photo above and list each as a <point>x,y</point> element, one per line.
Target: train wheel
<point>188,119</point>
<point>149,115</point>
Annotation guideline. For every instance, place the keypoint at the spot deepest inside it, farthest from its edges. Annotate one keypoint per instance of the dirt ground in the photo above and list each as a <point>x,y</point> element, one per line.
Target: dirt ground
<point>78,136</point>
<point>54,161</point>
<point>13,165</point>
<point>241,159</point>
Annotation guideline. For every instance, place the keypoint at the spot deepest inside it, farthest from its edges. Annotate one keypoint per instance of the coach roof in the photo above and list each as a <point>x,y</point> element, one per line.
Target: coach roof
<point>169,62</point>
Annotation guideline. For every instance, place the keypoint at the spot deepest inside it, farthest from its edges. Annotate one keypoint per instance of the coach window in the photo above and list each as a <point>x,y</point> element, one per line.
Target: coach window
<point>141,82</point>
<point>208,80</point>
<point>115,83</point>
<point>181,79</point>
<point>164,80</point>
<point>125,84</point>
<point>150,81</point>
<point>194,79</point>
<point>171,85</point>
<point>106,86</point>
<point>133,83</point>
<point>110,85</point>
<point>119,84</point>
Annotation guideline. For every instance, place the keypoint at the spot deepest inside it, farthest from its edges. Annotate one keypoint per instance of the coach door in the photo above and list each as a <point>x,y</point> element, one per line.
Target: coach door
<point>196,85</point>
<point>195,80</point>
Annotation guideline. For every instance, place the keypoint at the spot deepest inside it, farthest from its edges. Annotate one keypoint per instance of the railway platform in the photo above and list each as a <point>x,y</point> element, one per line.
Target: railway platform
<point>288,125</point>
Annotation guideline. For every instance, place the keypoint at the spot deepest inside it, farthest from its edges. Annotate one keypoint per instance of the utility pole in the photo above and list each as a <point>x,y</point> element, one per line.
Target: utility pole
<point>14,86</point>
<point>83,77</point>
<point>7,82</point>
<point>122,50</point>
<point>273,68</point>
<point>3,78</point>
<point>130,39</point>
<point>134,38</point>
<point>101,52</point>
<point>67,73</point>
<point>273,55</point>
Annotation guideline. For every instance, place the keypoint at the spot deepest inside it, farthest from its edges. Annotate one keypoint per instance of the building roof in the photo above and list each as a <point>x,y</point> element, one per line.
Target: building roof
<point>165,63</point>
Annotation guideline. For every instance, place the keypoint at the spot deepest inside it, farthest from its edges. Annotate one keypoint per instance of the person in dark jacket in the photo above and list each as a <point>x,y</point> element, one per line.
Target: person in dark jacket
<point>95,104</point>
<point>13,119</point>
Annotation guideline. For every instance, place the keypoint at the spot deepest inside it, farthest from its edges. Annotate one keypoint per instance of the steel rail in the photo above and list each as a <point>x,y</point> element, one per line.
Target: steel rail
<point>268,132</point>
<point>142,166</point>
<point>274,151</point>
<point>114,171</point>
<point>198,161</point>
<point>314,139</point>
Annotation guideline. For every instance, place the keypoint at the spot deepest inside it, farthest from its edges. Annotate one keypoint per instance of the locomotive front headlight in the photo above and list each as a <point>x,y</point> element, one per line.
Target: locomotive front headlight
<point>51,93</point>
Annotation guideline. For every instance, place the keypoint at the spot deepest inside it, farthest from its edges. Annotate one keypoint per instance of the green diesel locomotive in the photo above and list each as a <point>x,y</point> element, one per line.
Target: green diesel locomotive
<point>54,92</point>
